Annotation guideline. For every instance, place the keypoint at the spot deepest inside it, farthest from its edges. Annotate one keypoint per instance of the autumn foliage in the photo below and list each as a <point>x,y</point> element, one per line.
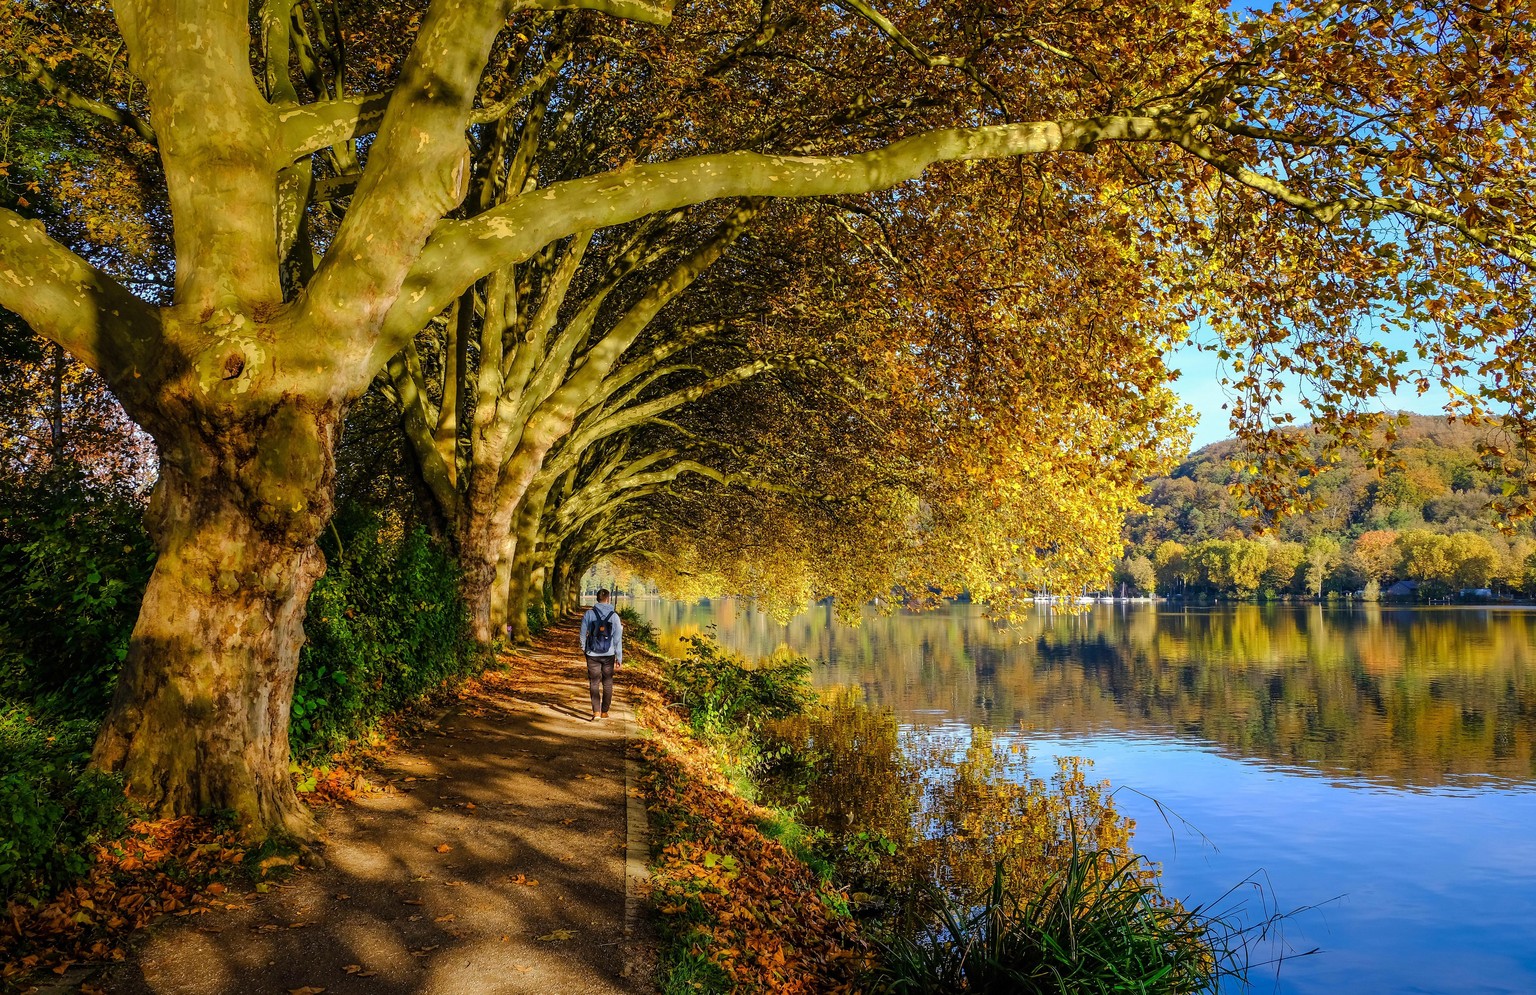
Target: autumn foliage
<point>172,867</point>
<point>738,900</point>
<point>743,913</point>
<point>877,839</point>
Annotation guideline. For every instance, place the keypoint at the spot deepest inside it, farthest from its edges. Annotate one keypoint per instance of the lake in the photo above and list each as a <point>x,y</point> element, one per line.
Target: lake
<point>1373,768</point>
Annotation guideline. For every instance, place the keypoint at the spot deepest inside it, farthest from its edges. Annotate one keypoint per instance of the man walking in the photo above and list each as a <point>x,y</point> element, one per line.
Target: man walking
<point>602,641</point>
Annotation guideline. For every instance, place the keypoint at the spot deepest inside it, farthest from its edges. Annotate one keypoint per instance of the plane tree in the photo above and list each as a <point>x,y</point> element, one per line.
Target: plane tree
<point>1283,176</point>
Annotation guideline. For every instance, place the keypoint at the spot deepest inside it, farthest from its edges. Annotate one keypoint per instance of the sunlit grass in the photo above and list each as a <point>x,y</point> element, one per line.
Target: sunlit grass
<point>1086,932</point>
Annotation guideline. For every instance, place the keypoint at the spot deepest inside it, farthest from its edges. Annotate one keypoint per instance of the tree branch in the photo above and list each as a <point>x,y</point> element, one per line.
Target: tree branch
<point>307,128</point>
<point>67,300</point>
<point>657,12</point>
<point>1327,211</point>
<point>194,60</point>
<point>418,170</point>
<point>462,251</point>
<point>125,118</point>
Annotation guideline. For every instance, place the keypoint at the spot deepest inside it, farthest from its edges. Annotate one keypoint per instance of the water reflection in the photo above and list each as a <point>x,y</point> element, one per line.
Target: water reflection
<point>1413,697</point>
<point>1249,723</point>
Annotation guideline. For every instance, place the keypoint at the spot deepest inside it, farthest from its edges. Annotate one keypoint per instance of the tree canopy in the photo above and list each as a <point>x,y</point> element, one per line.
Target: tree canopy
<point>241,216</point>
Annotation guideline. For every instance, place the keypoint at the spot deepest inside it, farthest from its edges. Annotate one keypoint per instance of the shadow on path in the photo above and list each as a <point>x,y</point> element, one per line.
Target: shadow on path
<point>430,887</point>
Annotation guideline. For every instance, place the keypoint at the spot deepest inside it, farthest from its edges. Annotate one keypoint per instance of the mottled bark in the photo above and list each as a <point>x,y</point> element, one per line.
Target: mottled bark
<point>199,721</point>
<point>525,548</point>
<point>499,590</point>
<point>565,583</point>
<point>477,566</point>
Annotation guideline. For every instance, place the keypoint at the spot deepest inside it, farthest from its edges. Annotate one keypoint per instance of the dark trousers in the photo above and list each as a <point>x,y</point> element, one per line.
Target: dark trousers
<point>600,675</point>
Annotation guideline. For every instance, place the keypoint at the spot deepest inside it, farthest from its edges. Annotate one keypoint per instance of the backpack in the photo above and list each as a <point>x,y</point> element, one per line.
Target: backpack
<point>600,634</point>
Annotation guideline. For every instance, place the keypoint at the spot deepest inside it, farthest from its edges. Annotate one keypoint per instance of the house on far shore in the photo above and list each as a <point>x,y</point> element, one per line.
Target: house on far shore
<point>1475,594</point>
<point>1403,590</point>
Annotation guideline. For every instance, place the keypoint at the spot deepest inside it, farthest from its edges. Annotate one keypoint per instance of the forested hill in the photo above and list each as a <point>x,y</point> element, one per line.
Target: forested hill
<point>1436,485</point>
<point>1418,527</point>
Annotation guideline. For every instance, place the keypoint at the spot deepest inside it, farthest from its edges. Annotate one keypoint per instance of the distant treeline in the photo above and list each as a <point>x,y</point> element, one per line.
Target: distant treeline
<point>1422,518</point>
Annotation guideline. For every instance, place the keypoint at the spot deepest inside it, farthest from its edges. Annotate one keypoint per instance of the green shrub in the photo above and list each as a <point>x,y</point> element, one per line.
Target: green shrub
<point>538,617</point>
<point>52,807</point>
<point>386,625</point>
<point>74,560</point>
<point>723,693</point>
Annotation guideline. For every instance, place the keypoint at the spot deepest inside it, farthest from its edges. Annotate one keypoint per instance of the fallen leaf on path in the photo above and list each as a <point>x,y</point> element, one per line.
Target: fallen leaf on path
<point>342,898</point>
<point>560,934</point>
<point>306,990</point>
<point>442,848</point>
<point>525,881</point>
<point>567,822</point>
<point>353,968</point>
<point>450,917</point>
<point>522,967</point>
<point>411,901</point>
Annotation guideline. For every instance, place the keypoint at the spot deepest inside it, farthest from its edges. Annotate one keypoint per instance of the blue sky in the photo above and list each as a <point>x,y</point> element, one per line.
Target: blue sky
<point>1199,382</point>
<point>1199,386</point>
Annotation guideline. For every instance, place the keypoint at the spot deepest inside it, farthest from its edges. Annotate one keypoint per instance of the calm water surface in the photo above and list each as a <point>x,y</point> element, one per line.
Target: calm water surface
<point>1375,765</point>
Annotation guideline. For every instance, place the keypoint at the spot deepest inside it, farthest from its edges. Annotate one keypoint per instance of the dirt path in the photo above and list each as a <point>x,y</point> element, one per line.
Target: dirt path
<point>430,889</point>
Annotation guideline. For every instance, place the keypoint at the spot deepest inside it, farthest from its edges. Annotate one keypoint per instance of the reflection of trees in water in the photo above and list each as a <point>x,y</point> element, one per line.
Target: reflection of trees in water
<point>1409,696</point>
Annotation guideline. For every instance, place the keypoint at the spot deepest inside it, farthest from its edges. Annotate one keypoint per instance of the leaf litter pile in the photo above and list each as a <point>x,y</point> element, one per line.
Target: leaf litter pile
<point>733,898</point>
<point>174,866</point>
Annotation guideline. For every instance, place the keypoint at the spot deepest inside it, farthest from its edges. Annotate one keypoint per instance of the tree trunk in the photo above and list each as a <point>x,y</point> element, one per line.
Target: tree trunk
<point>518,599</point>
<point>477,578</point>
<point>199,721</point>
<point>530,514</point>
<point>56,416</point>
<point>500,588</point>
<point>560,585</point>
<point>538,590</point>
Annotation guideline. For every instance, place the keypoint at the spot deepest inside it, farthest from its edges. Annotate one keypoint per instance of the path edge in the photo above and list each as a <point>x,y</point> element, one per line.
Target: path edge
<point>637,851</point>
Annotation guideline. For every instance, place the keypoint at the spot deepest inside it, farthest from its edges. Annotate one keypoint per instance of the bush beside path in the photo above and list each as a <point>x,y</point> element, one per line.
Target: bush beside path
<point>494,860</point>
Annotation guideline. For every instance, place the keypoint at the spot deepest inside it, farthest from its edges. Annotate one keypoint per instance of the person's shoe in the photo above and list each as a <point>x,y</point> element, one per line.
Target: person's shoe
<point>593,718</point>
<point>605,715</point>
